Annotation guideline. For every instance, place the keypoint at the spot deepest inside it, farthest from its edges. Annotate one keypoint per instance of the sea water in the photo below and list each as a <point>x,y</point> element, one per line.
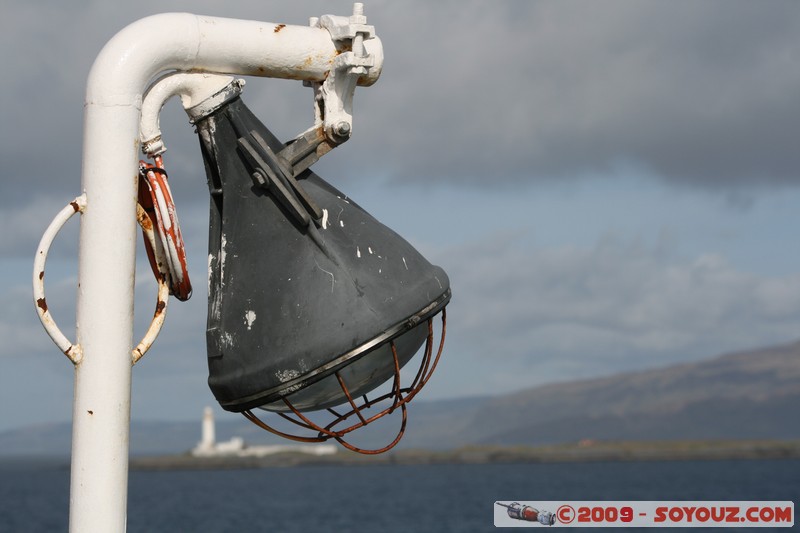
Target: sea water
<point>34,495</point>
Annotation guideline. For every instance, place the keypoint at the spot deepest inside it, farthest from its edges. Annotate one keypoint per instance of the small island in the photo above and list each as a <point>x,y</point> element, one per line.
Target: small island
<point>235,454</point>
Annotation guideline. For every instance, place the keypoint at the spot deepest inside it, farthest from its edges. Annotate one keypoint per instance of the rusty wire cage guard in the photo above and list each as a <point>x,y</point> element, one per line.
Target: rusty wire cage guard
<point>397,398</point>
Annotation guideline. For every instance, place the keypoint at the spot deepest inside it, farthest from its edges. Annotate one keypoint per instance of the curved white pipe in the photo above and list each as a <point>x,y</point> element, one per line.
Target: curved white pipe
<point>72,351</point>
<point>118,78</point>
<point>193,89</point>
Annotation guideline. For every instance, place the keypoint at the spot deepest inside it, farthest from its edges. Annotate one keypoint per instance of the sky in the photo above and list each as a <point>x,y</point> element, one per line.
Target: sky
<point>611,186</point>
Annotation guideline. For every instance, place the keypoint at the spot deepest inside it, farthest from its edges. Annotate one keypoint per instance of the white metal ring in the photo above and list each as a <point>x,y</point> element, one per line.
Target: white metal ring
<point>73,351</point>
<point>163,289</point>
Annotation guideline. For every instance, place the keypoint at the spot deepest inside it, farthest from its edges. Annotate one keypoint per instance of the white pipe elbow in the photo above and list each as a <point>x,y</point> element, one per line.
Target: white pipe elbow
<point>200,93</point>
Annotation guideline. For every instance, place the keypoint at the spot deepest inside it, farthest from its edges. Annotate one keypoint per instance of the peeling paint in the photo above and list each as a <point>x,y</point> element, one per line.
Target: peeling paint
<point>226,339</point>
<point>208,282</point>
<point>369,249</point>
<point>288,375</point>
<point>358,251</point>
<point>223,243</point>
<point>324,219</point>
<point>162,207</point>
<point>249,318</point>
<point>404,263</point>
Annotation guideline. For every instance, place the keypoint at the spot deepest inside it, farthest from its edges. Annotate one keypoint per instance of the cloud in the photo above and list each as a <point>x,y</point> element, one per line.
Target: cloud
<point>22,334</point>
<point>697,93</point>
<point>700,94</point>
<point>26,222</point>
<point>521,315</point>
<point>572,312</point>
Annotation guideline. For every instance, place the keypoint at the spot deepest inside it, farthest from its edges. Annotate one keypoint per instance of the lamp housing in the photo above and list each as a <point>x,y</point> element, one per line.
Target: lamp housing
<point>312,301</point>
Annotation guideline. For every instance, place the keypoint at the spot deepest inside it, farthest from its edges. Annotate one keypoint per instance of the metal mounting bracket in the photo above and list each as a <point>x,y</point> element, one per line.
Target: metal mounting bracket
<point>333,98</point>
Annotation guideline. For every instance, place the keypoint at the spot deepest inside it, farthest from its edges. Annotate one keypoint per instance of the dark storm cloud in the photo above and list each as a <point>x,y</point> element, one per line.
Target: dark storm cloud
<point>697,93</point>
<point>473,92</point>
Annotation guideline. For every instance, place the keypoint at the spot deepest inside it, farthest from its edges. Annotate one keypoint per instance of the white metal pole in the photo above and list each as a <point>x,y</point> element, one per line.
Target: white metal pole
<point>101,408</point>
<point>184,42</point>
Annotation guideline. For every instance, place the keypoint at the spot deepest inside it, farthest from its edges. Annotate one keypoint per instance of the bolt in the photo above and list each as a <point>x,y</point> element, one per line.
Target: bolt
<point>342,129</point>
<point>358,14</point>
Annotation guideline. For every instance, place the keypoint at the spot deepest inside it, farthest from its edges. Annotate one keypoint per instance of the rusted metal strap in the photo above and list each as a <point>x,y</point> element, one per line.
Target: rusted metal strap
<point>156,199</point>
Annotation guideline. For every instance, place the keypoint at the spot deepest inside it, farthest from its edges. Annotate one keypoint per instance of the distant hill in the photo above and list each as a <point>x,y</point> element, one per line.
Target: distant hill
<point>746,395</point>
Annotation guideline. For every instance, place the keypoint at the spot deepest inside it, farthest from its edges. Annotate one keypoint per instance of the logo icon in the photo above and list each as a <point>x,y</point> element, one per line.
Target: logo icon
<point>529,514</point>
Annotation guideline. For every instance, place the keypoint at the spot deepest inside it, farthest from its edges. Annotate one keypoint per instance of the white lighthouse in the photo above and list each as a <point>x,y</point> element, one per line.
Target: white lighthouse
<point>208,445</point>
<point>209,436</point>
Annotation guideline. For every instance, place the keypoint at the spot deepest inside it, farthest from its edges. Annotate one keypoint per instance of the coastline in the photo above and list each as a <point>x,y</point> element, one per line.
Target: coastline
<point>574,452</point>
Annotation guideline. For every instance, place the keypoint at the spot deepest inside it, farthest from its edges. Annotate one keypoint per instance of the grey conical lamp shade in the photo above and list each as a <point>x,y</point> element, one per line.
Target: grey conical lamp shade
<point>303,283</point>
